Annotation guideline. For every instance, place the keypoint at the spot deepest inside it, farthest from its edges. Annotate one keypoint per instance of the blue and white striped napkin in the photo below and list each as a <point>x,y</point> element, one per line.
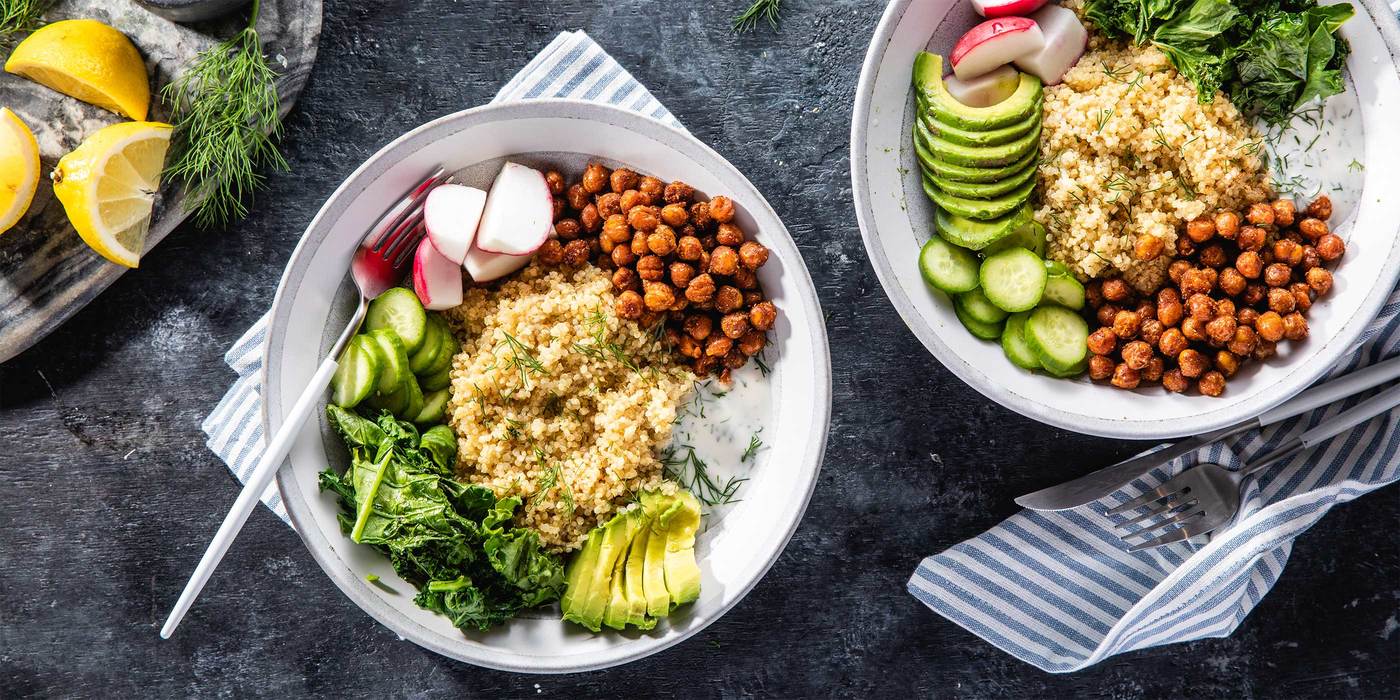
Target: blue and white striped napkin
<point>1058,590</point>
<point>571,66</point>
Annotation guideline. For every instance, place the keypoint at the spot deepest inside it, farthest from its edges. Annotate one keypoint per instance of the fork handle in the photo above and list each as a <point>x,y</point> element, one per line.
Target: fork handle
<point>1331,427</point>
<point>1333,391</point>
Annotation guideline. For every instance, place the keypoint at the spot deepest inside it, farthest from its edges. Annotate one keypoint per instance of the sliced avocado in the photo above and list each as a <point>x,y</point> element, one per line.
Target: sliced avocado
<point>615,615</point>
<point>929,164</point>
<point>588,607</point>
<point>981,156</point>
<point>981,209</point>
<point>654,567</point>
<point>978,235</point>
<point>928,83</point>
<point>635,573</point>
<point>579,576</point>
<point>976,137</point>
<point>682,573</point>
<point>1030,236</point>
<point>982,190</point>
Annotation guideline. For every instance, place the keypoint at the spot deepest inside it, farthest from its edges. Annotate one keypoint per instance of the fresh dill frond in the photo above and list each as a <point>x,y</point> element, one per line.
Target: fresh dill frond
<point>755,444</point>
<point>1186,189</point>
<point>225,110</point>
<point>21,15</point>
<point>1101,119</point>
<point>766,10</point>
<point>522,359</point>
<point>692,473</point>
<point>1355,166</point>
<point>760,360</point>
<point>552,480</point>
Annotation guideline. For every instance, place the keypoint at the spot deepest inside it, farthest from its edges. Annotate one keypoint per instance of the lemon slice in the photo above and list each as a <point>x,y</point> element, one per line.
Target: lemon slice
<point>87,60</point>
<point>19,168</point>
<point>108,186</point>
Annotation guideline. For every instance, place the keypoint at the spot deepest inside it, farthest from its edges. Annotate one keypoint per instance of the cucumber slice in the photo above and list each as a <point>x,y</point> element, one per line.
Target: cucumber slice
<point>449,347</point>
<point>393,402</point>
<point>1013,279</point>
<point>1013,342</point>
<point>427,355</point>
<point>976,304</point>
<point>1055,268</point>
<point>1064,289</point>
<point>1031,236</point>
<point>1078,369</point>
<point>357,375</point>
<point>981,329</point>
<point>434,408</point>
<point>1058,338</point>
<point>399,310</point>
<point>414,405</point>
<point>393,361</point>
<point>948,267</point>
<point>441,380</point>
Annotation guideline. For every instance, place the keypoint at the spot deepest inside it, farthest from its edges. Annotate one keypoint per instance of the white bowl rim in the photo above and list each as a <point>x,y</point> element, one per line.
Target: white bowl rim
<point>272,414</point>
<point>1206,420</point>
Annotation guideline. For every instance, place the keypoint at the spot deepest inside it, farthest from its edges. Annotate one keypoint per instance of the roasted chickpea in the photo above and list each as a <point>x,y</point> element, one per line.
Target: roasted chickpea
<point>651,268</point>
<point>1269,326</point>
<point>1310,258</point>
<point>735,324</point>
<point>1284,212</point>
<point>745,279</point>
<point>1177,270</point>
<point>1232,282</point>
<point>681,274</point>
<point>615,229</point>
<point>688,248</point>
<point>623,179</point>
<point>698,326</point>
<point>1100,367</point>
<point>763,315</point>
<point>629,200</point>
<point>1194,329</point>
<point>723,260</point>
<point>551,253</point>
<point>1154,369</point>
<point>1192,363</point>
<point>729,234</point>
<point>1197,281</point>
<point>625,278</point>
<point>558,208</point>
<point>1330,247</point>
<point>1251,238</point>
<point>1302,296</point>
<point>1093,293</point>
<point>1320,280</point>
<point>678,192</point>
<point>1102,341</point>
<point>689,347</point>
<point>1106,314</point>
<point>718,346</point>
<point>1263,350</point>
<point>1224,307</point>
<point>1277,274</point>
<point>1288,252</point>
<point>604,244</point>
<point>555,181</point>
<point>1221,330</point>
<point>1185,247</point>
<point>701,289</point>
<point>1151,331</point>
<point>1320,208</point>
<point>1172,342</point>
<point>595,178</point>
<point>1212,383</point>
<point>568,229</point>
<point>728,299</point>
<point>722,209</point>
<point>1313,229</point>
<point>642,219</point>
<point>1247,316</point>
<point>629,305</point>
<point>577,196</point>
<point>1170,313</point>
<point>1126,324</point>
<point>1116,290</point>
<point>1200,307</point>
<point>753,255</point>
<point>1148,247</point>
<point>700,215</point>
<point>1227,224</point>
<point>622,256</point>
<point>575,253</point>
<point>639,244</point>
<point>1260,214</point>
<point>1254,294</point>
<point>1125,377</point>
<point>1213,255</point>
<point>1137,354</point>
<point>652,188</point>
<point>658,296</point>
<point>1249,265</point>
<point>1243,342</point>
<point>662,240</point>
<point>674,215</point>
<point>1200,230</point>
<point>1281,300</point>
<point>1174,381</point>
<point>752,343</point>
<point>1227,363</point>
<point>1295,327</point>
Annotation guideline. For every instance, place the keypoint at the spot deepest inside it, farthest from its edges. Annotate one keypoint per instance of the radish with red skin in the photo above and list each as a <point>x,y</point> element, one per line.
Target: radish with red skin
<point>519,212</point>
<point>451,214</point>
<point>1065,41</point>
<point>485,267</point>
<point>993,44</point>
<point>984,90</point>
<point>436,280</point>
<point>1006,8</point>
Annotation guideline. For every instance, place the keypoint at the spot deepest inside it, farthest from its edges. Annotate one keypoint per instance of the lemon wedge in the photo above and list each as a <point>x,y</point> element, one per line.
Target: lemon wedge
<point>87,60</point>
<point>19,168</point>
<point>108,186</point>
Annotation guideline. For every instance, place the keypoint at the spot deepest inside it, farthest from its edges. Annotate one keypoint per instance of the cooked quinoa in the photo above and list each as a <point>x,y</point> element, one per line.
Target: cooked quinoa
<point>1128,151</point>
<point>558,401</point>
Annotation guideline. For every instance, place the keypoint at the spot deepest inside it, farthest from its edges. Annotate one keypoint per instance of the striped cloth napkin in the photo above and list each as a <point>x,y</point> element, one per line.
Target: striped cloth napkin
<point>571,66</point>
<point>1057,589</point>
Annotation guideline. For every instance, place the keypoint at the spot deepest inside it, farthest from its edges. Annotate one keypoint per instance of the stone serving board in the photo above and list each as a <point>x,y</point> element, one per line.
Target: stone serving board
<point>47,273</point>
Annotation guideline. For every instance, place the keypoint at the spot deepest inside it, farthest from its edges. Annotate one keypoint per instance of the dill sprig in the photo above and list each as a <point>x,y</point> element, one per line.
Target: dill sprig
<point>20,15</point>
<point>522,359</point>
<point>692,473</point>
<point>759,10</point>
<point>225,111</point>
<point>553,479</point>
<point>1101,119</point>
<point>755,444</point>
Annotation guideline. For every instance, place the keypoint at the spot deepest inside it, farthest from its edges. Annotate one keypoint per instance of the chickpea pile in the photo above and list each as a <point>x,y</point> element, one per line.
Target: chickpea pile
<point>675,258</point>
<point>1241,283</point>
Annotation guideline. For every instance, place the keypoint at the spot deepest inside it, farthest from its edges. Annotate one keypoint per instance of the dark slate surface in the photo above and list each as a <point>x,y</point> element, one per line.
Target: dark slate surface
<point>109,495</point>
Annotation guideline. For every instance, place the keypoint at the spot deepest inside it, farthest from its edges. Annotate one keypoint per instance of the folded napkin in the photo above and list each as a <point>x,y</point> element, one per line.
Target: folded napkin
<point>1058,590</point>
<point>571,66</point>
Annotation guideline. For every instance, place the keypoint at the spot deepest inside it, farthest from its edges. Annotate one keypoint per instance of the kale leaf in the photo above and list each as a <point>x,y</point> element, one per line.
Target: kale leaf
<point>453,541</point>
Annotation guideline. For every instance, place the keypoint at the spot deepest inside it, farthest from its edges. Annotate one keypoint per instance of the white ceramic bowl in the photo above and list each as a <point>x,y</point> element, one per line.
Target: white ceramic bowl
<point>315,295</point>
<point>896,218</point>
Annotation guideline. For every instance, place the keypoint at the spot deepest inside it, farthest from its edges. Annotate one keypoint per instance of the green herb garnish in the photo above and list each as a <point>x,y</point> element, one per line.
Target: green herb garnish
<point>759,10</point>
<point>225,110</point>
<point>20,15</point>
<point>692,473</point>
<point>522,359</point>
<point>755,444</point>
<point>1101,119</point>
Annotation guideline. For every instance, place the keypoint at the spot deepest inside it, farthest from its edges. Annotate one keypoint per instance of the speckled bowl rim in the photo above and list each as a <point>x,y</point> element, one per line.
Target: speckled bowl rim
<point>780,242</point>
<point>1208,418</point>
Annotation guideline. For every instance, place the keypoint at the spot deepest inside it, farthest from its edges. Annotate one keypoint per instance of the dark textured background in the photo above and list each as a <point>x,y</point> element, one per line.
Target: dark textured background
<point>108,496</point>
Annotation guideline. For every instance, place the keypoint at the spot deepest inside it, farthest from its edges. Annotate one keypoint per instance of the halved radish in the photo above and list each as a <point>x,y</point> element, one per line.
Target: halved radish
<point>1065,39</point>
<point>519,212</point>
<point>1006,8</point>
<point>994,43</point>
<point>984,90</point>
<point>451,214</point>
<point>436,280</point>
<point>484,266</point>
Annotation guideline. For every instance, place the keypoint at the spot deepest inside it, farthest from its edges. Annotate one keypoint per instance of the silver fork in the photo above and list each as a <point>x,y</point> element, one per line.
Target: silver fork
<point>1207,496</point>
<point>378,264</point>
